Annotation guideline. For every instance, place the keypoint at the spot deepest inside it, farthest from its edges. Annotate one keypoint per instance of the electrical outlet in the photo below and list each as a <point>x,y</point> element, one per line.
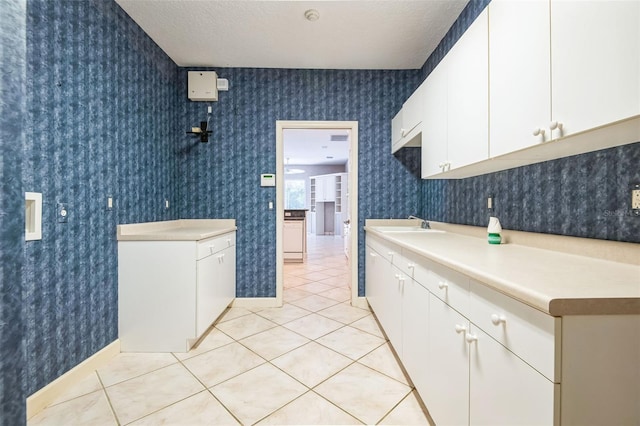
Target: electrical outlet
<point>63,212</point>
<point>490,202</point>
<point>166,204</point>
<point>635,199</point>
<point>109,202</point>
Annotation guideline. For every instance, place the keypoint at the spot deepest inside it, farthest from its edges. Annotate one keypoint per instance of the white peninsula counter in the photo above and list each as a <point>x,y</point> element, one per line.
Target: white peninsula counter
<point>175,278</point>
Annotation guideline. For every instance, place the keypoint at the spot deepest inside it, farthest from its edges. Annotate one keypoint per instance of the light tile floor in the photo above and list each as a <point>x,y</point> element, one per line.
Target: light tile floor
<point>316,360</point>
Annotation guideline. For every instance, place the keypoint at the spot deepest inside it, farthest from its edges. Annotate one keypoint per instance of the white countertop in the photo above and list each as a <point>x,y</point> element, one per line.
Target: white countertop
<point>176,230</point>
<point>554,282</point>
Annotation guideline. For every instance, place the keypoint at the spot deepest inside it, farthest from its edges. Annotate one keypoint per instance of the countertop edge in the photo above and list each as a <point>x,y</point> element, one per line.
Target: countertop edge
<point>175,230</point>
<point>549,305</point>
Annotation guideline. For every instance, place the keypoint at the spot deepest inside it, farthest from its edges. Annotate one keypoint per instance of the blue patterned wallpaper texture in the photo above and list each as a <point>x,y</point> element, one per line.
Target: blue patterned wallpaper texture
<point>585,195</point>
<point>222,178</point>
<point>12,109</point>
<point>102,120</point>
<point>464,20</point>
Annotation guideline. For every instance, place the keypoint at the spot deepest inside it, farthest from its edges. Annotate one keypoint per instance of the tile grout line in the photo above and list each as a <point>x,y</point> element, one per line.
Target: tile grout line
<point>104,390</point>
<point>206,388</point>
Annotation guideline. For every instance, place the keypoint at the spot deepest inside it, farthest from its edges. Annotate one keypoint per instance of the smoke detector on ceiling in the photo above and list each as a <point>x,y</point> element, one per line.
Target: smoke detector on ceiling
<point>312,15</point>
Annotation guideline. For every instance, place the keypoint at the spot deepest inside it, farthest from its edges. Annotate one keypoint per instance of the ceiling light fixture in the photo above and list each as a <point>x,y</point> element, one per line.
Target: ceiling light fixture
<point>312,15</point>
<point>288,171</point>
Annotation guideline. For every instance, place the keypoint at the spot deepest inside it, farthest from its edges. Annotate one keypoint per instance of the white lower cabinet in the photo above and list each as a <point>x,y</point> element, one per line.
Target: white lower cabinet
<point>415,333</point>
<point>463,374</point>
<point>481,357</point>
<point>503,389</point>
<point>376,268</point>
<point>447,396</point>
<point>170,292</point>
<point>213,298</point>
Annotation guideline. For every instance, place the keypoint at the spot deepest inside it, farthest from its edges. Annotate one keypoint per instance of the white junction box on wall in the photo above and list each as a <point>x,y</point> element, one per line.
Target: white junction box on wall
<point>203,85</point>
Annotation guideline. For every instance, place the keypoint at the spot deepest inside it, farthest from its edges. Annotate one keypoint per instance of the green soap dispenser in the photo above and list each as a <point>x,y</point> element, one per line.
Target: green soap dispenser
<point>493,230</point>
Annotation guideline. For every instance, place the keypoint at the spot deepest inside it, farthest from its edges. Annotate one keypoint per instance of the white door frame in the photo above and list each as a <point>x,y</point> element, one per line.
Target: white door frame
<point>353,198</point>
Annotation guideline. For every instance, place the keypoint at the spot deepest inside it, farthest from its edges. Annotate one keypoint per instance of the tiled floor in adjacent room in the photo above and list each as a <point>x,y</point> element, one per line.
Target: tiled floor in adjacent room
<point>316,360</point>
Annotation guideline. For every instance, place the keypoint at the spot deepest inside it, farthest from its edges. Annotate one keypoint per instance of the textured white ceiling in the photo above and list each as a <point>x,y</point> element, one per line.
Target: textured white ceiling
<point>360,34</point>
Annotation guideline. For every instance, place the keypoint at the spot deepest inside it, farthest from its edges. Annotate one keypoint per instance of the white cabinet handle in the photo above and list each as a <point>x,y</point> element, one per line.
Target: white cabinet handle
<point>229,241</point>
<point>411,265</point>
<point>443,285</point>
<point>470,338</point>
<point>211,247</point>
<point>555,125</point>
<point>399,277</point>
<point>538,132</point>
<point>460,328</point>
<point>373,255</point>
<point>446,166</point>
<point>497,319</point>
<point>403,132</point>
<point>390,253</point>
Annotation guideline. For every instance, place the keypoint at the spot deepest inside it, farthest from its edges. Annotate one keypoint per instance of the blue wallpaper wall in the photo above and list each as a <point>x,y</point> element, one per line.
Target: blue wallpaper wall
<point>553,197</point>
<point>102,120</point>
<point>585,195</point>
<point>222,178</point>
<point>12,108</point>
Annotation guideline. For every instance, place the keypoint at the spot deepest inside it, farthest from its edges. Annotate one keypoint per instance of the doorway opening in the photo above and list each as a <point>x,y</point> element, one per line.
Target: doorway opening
<point>325,187</point>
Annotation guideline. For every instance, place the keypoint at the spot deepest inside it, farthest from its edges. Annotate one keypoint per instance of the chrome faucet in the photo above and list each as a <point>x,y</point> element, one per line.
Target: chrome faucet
<point>424,224</point>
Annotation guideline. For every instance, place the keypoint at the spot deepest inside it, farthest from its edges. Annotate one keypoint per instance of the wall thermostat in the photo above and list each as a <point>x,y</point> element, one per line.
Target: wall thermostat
<point>267,179</point>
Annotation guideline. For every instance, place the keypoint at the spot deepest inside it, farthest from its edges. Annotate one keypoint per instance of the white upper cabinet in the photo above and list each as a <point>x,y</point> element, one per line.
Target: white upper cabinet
<point>434,126</point>
<point>406,125</point>
<point>468,96</point>
<point>455,128</point>
<point>396,131</point>
<point>413,111</point>
<point>595,54</point>
<point>519,77</point>
<point>528,72</point>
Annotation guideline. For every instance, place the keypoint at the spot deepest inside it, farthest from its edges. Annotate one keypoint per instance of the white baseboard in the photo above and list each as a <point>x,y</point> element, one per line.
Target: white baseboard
<point>256,302</point>
<point>360,302</point>
<point>40,399</point>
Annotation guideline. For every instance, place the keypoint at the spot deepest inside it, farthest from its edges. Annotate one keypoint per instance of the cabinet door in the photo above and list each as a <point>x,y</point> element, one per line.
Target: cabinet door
<point>434,124</point>
<point>413,111</point>
<point>329,188</point>
<point>504,390</point>
<point>319,186</point>
<point>519,74</point>
<point>396,131</point>
<point>468,96</point>
<point>216,287</point>
<point>226,291</point>
<point>595,50</point>
<point>375,268</point>
<point>415,333</point>
<point>447,396</point>
<point>208,278</point>
<point>392,323</point>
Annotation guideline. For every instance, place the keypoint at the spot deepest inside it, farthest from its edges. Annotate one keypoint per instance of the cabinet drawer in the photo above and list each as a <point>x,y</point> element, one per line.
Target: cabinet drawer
<point>215,244</point>
<point>527,332</point>
<point>449,286</point>
<point>415,266</point>
<point>387,250</point>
